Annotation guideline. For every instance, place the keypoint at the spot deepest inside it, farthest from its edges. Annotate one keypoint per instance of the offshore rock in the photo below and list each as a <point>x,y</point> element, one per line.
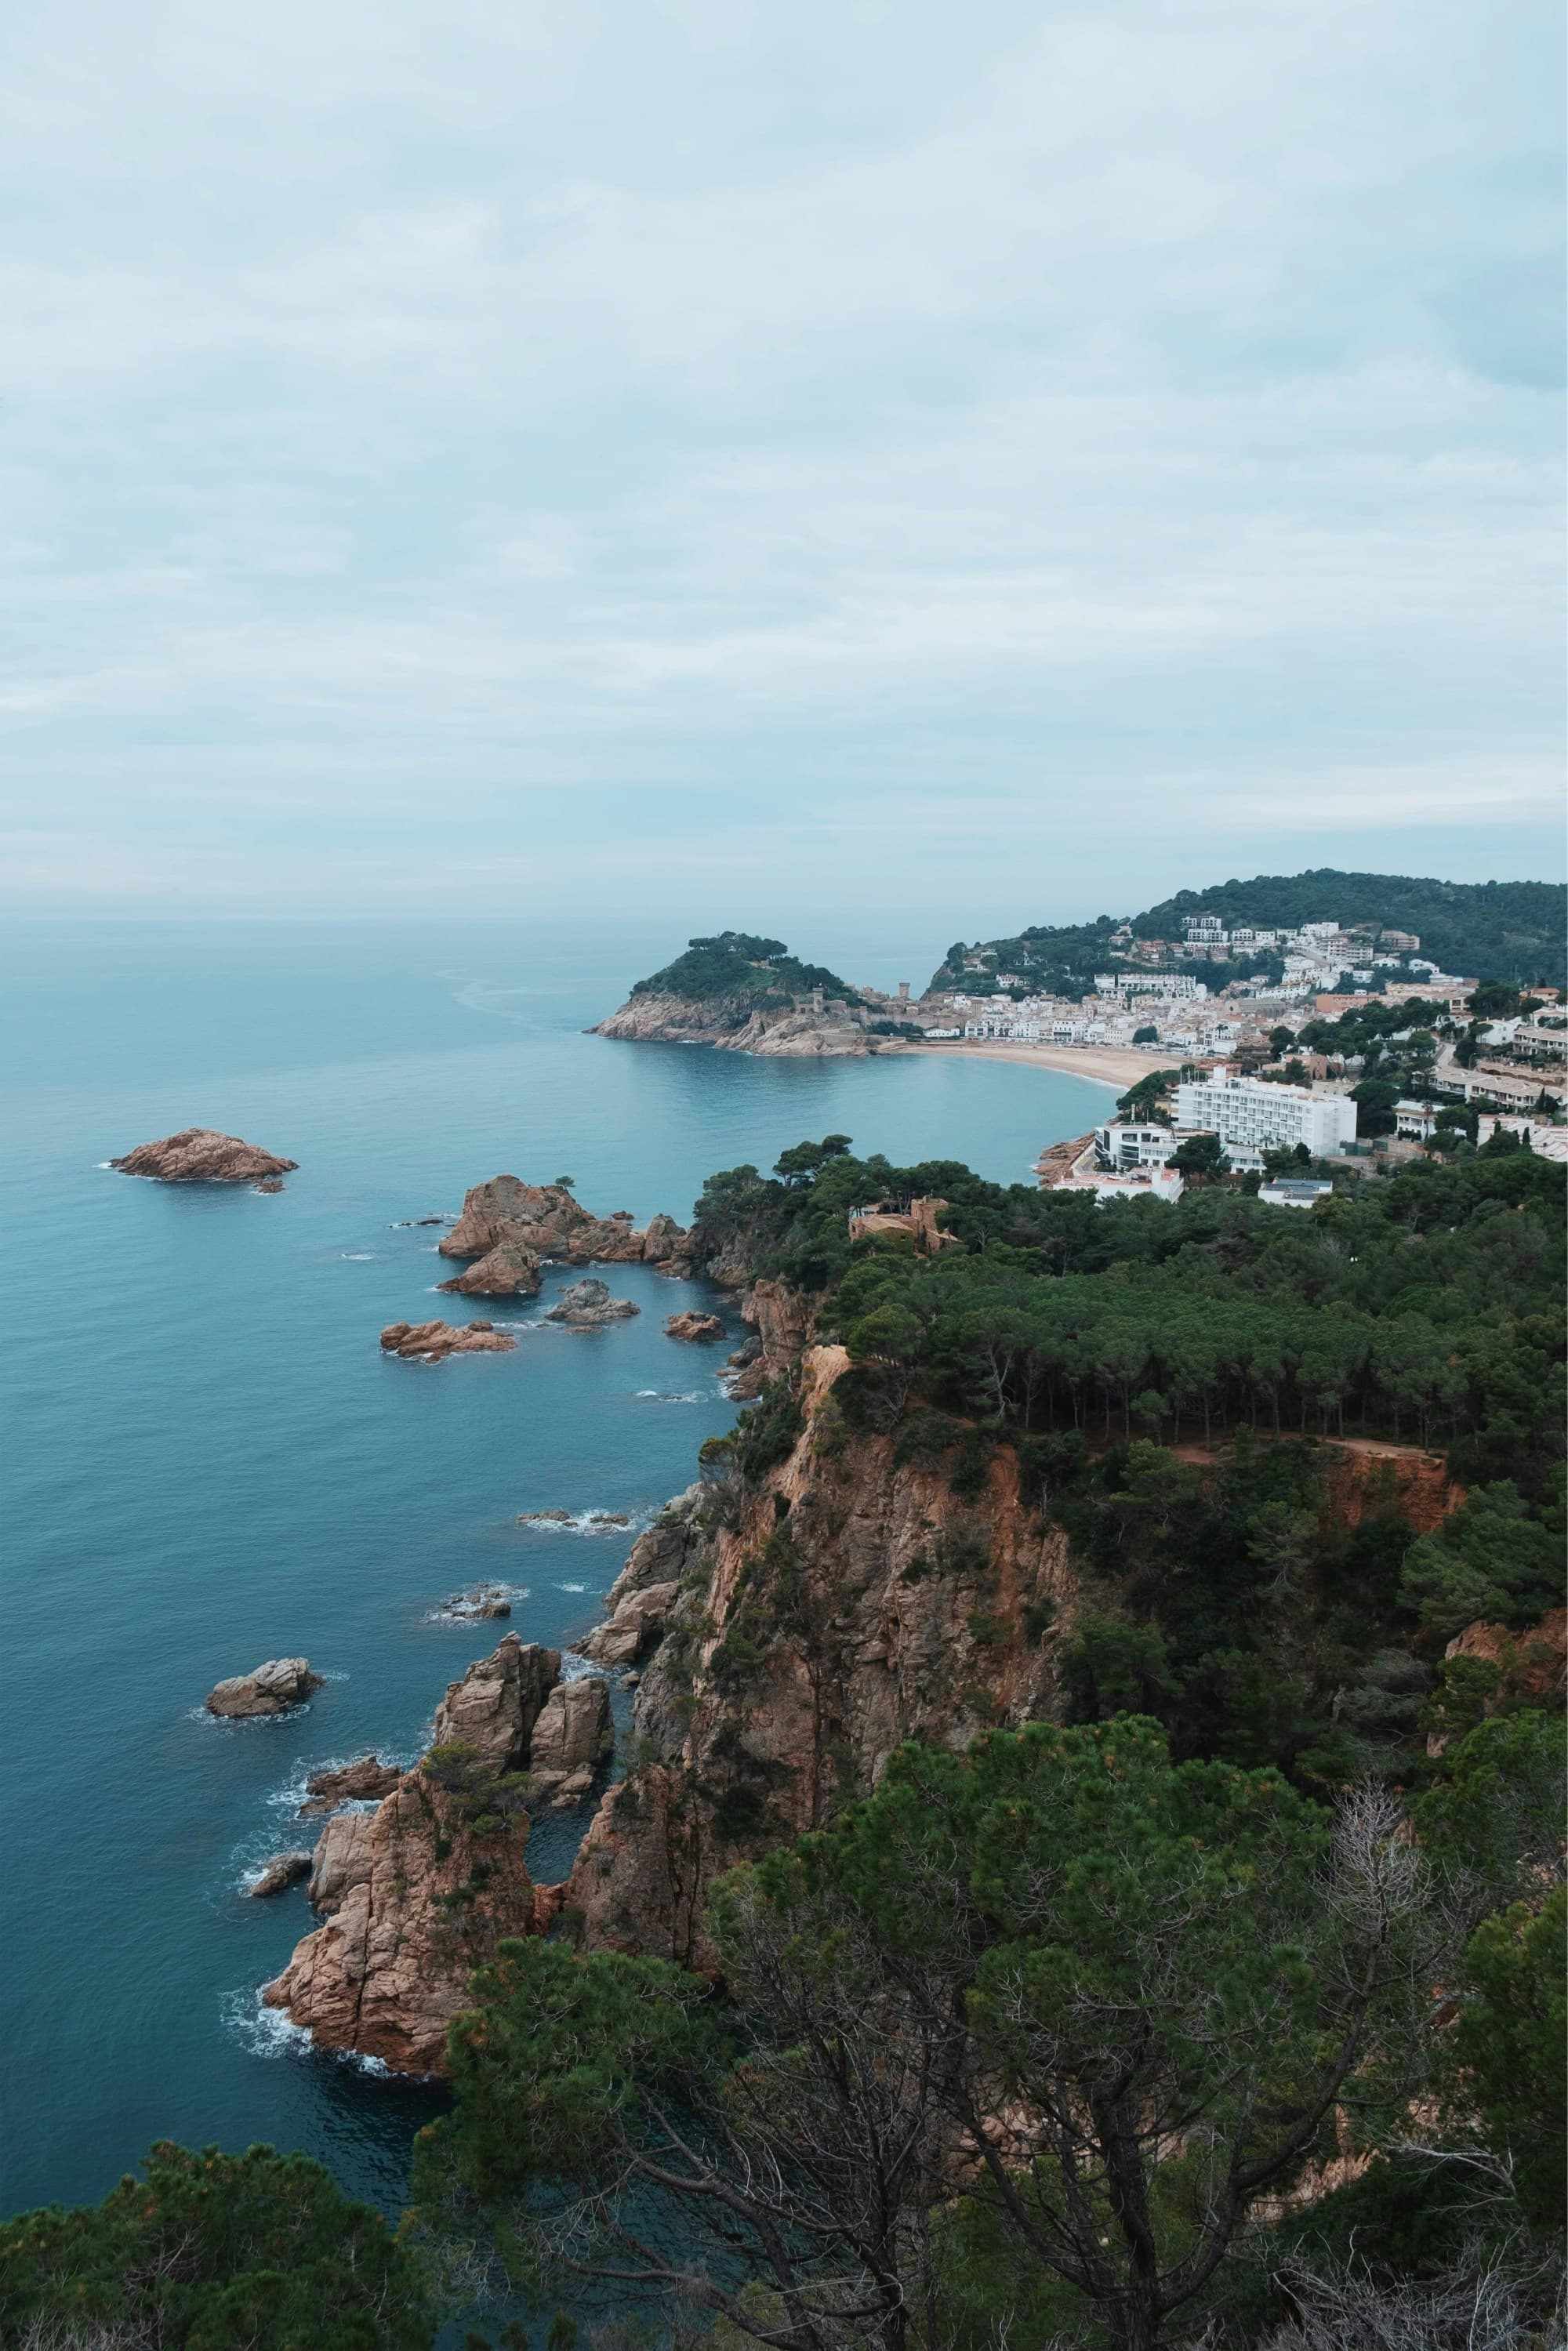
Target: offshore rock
<point>492,1710</point>
<point>431,1342</point>
<point>325,1790</point>
<point>693,1325</point>
<point>479,1603</point>
<point>586,1305</point>
<point>200,1154</point>
<point>271,1689</point>
<point>283,1870</point>
<point>544,1220</point>
<point>509,1271</point>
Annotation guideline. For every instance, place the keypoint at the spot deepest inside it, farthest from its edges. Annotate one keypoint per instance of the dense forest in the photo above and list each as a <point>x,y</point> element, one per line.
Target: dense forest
<point>1223,2009</point>
<point>1515,931</point>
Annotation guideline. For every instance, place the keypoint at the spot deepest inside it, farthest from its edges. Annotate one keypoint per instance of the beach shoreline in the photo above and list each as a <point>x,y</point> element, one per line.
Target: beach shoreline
<point>1105,1065</point>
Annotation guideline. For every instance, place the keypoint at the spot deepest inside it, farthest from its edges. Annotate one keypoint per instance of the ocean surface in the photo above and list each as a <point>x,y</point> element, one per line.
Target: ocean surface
<point>207,1461</point>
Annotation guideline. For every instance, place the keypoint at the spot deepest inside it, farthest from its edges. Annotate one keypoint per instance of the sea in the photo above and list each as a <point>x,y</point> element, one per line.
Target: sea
<point>208,1461</point>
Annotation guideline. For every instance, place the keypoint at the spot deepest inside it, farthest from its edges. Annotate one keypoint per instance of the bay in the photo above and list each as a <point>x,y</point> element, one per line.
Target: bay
<point>207,1461</point>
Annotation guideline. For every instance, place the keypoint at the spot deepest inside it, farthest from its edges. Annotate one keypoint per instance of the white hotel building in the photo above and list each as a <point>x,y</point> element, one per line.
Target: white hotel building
<point>1257,1117</point>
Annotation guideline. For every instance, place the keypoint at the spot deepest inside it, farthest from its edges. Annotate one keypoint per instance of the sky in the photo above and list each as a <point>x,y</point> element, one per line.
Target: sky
<point>741,459</point>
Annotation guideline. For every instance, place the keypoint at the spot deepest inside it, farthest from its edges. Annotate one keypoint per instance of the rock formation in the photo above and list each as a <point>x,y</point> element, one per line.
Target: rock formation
<point>325,1790</point>
<point>492,1710</point>
<point>507,1224</point>
<point>417,1894</point>
<point>790,1031</point>
<point>645,1591</point>
<point>283,1870</point>
<point>811,1623</point>
<point>1531,1666</point>
<point>271,1689</point>
<point>587,1305</point>
<point>693,1325</point>
<point>509,1271</point>
<point>480,1602</point>
<point>431,1342</point>
<point>200,1154</point>
<point>572,1738</point>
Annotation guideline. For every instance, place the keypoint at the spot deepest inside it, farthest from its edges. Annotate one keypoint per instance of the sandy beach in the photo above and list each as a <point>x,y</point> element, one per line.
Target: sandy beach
<point>1108,1065</point>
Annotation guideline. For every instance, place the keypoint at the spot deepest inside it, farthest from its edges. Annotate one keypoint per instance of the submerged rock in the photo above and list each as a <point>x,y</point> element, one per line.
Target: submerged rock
<point>693,1325</point>
<point>200,1154</point>
<point>430,1342</point>
<point>368,1777</point>
<point>283,1870</point>
<point>271,1689</point>
<point>584,1305</point>
<point>481,1603</point>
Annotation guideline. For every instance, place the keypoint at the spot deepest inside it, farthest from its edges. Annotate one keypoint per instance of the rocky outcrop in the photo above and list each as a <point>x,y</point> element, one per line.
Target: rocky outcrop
<point>417,1894</point>
<point>693,1325</point>
<point>793,1032</point>
<point>283,1870</point>
<point>271,1689</point>
<point>200,1154</point>
<point>811,1622</point>
<point>1366,1480</point>
<point>507,1222</point>
<point>430,1342</point>
<point>643,1594</point>
<point>1530,1664</point>
<point>479,1603</point>
<point>572,1737</point>
<point>509,1271</point>
<point>587,1305</point>
<point>492,1710</point>
<point>348,1784</point>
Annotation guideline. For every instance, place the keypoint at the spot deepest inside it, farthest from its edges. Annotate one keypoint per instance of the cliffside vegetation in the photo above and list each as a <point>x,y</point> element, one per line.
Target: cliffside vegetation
<point>1515,931</point>
<point>1217,1999</point>
<point>739,966</point>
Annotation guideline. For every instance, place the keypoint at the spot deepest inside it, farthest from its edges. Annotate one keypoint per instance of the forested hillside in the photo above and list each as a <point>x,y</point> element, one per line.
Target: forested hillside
<point>1516,931</point>
<point>740,966</point>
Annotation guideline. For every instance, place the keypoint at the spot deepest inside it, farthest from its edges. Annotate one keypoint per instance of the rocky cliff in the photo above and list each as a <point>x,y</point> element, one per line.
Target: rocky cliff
<point>417,1894</point>
<point>811,1620</point>
<point>790,1030</point>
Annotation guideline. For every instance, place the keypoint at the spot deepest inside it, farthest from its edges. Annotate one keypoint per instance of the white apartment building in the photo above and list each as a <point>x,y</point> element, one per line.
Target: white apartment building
<point>1118,1147</point>
<point>1257,1116</point>
<point>1174,985</point>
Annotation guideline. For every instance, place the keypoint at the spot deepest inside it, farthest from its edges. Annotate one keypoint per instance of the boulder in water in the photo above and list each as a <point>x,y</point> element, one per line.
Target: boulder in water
<point>272,1689</point>
<point>584,1305</point>
<point>283,1870</point>
<point>200,1154</point>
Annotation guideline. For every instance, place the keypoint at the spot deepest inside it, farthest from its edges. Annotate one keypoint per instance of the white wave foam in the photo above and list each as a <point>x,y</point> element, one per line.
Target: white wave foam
<point>571,1587</point>
<point>585,1522</point>
<point>669,1395</point>
<point>357,1257</point>
<point>269,2032</point>
<point>264,2032</point>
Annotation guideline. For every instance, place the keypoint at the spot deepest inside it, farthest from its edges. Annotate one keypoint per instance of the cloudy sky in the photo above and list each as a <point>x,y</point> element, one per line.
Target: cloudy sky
<point>726,457</point>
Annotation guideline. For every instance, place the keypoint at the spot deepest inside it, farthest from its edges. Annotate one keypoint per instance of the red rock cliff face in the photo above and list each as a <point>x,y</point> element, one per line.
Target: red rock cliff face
<point>847,1605</point>
<point>1368,1481</point>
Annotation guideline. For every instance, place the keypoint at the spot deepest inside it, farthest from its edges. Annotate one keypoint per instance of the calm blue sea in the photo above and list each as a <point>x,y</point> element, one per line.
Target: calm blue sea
<point>208,1462</point>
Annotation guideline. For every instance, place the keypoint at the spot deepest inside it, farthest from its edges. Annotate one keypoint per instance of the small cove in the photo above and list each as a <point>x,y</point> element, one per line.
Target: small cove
<point>209,1462</point>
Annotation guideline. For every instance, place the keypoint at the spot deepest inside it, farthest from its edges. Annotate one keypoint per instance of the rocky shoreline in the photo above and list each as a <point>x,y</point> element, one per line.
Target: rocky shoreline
<point>791,1032</point>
